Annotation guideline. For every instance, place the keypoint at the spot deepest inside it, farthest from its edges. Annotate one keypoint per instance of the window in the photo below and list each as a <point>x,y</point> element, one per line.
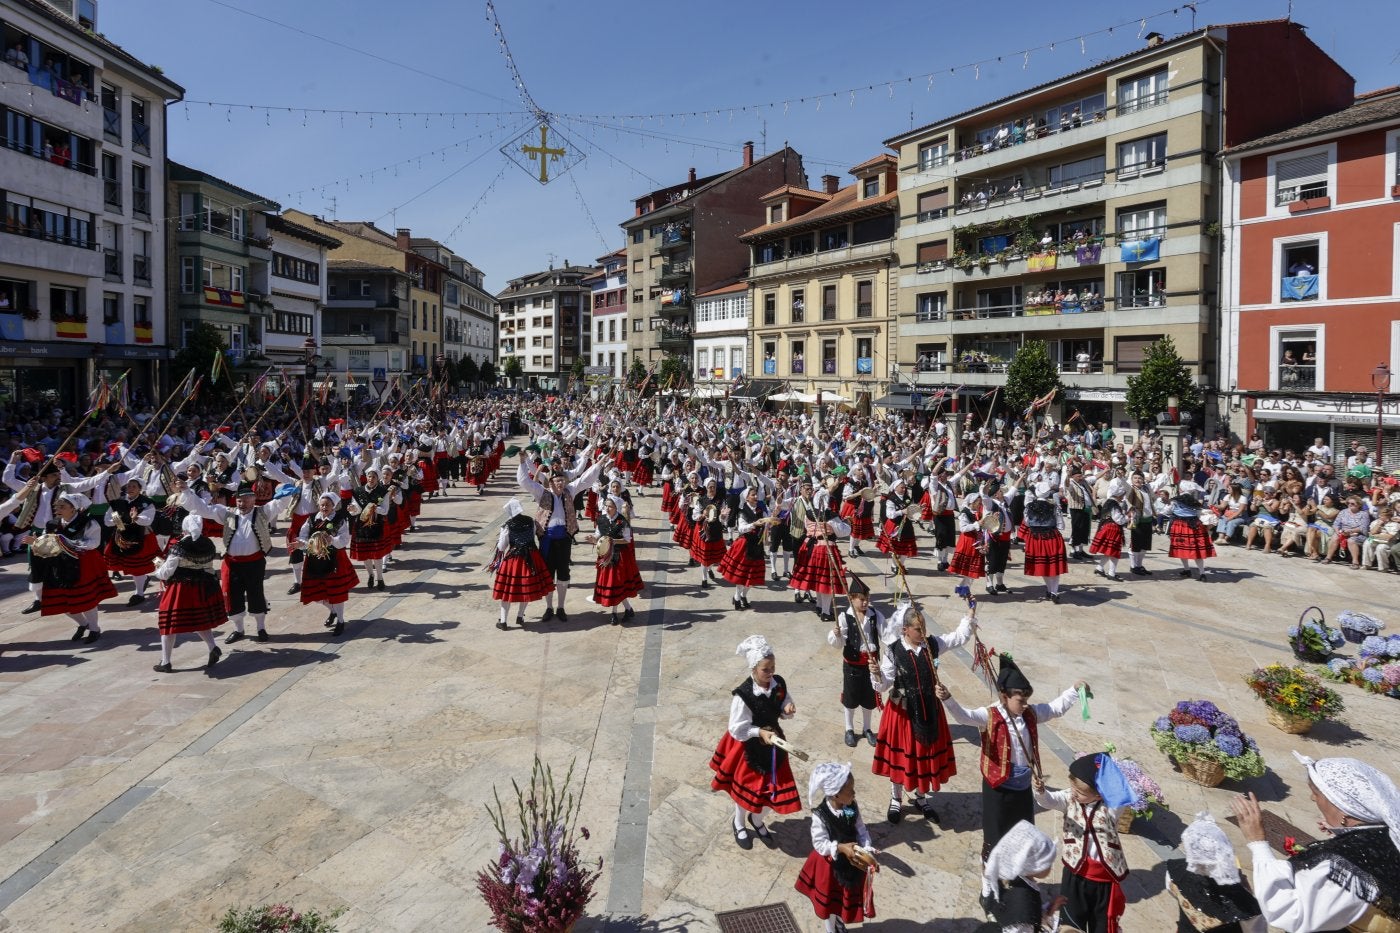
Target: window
<point>236,217</point>
<point>111,308</point>
<point>736,360</point>
<point>702,361</point>
<point>834,238</point>
<point>935,251</point>
<point>141,311</point>
<point>1300,178</point>
<point>187,274</point>
<point>768,252</point>
<point>141,256</point>
<point>829,356</point>
<point>189,211</point>
<point>112,181</point>
<point>931,306</point>
<point>612,331</point>
<point>1295,357</point>
<point>637,266</point>
<point>865,301</point>
<point>934,154</point>
<point>1129,352</point>
<point>1142,91</point>
<point>770,309</point>
<point>1139,223</point>
<point>933,204</point>
<point>1076,173</point>
<point>828,302</point>
<point>864,358</point>
<point>140,130</point>
<point>1299,263</point>
<point>797,362</point>
<point>66,303</point>
<point>288,322</point>
<point>637,326</point>
<point>221,276</point>
<point>140,190</point>
<point>870,187</point>
<point>636,296</point>
<point>803,245</point>
<point>1140,155</point>
<point>1142,288</point>
<point>1072,113</point>
<point>799,306</point>
<point>775,213</point>
<point>111,113</point>
<point>637,235</point>
<point>414,323</point>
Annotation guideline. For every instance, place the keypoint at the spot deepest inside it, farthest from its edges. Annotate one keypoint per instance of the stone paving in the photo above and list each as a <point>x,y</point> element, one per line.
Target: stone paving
<point>351,774</point>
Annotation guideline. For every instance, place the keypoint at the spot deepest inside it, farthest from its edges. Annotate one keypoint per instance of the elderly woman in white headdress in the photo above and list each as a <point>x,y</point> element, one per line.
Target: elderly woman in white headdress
<point>1190,539</point>
<point>835,876</point>
<point>1349,881</point>
<point>329,575</point>
<point>1046,556</point>
<point>1011,876</point>
<point>75,575</point>
<point>193,600</point>
<point>1114,516</point>
<point>521,574</point>
<point>1207,883</point>
<point>619,578</point>
<point>747,764</point>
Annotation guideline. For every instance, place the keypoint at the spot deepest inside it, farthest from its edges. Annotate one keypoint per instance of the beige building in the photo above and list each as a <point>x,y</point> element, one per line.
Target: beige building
<point>821,285</point>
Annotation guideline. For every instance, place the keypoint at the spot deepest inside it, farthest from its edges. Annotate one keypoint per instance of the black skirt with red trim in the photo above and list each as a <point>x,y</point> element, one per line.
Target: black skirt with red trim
<point>901,757</point>
<point>740,569</point>
<point>1189,539</point>
<point>819,569</point>
<point>1108,540</point>
<point>902,544</point>
<point>707,553</point>
<point>191,606</point>
<point>622,580</point>
<point>92,588</point>
<point>753,790</point>
<point>334,587</point>
<point>817,882</point>
<point>967,560</point>
<point>140,560</point>
<point>1045,553</point>
<point>522,578</point>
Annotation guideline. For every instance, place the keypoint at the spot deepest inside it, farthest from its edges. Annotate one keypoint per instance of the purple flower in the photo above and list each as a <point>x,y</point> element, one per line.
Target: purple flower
<point>1229,745</point>
<point>1373,675</point>
<point>1373,646</point>
<point>1293,632</point>
<point>1192,735</point>
<point>1230,728</point>
<point>1163,724</point>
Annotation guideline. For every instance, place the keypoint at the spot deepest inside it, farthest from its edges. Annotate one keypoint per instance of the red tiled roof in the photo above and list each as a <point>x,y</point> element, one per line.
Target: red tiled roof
<point>1375,107</point>
<point>795,190</point>
<point>870,163</point>
<point>724,290</point>
<point>842,202</point>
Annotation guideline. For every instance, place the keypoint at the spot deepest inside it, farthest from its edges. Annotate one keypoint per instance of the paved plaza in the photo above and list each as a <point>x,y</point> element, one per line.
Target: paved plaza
<point>352,774</point>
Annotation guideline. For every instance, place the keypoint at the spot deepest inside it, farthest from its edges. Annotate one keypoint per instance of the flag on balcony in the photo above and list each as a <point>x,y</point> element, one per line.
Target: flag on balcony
<point>1088,254</point>
<point>1041,262</point>
<point>74,329</point>
<point>145,333</point>
<point>1149,250</point>
<point>1299,287</point>
<point>222,296</point>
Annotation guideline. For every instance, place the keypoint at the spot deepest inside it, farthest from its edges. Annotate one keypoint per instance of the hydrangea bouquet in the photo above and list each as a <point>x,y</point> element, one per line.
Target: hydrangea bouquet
<point>1313,640</point>
<point>1201,730</point>
<point>1377,669</point>
<point>537,884</point>
<point>1147,793</point>
<point>1294,692</point>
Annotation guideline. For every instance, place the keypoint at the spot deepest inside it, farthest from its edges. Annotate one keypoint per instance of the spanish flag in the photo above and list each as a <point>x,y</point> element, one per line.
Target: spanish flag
<point>222,296</point>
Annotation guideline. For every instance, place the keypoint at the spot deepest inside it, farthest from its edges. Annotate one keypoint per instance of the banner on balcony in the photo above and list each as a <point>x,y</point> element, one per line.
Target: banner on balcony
<point>1041,262</point>
<point>73,329</point>
<point>770,367</point>
<point>865,365</point>
<point>144,333</point>
<point>11,327</point>
<point>1299,287</point>
<point>222,296</point>
<point>1140,250</point>
<point>673,297</point>
<point>1088,255</point>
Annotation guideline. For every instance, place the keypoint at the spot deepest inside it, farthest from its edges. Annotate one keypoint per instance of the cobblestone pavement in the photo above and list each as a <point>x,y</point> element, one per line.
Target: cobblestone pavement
<point>352,773</point>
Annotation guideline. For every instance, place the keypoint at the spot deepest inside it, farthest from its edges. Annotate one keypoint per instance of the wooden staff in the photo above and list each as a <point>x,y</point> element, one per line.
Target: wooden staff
<point>251,388</point>
<point>266,411</point>
<point>194,390</point>
<point>162,408</point>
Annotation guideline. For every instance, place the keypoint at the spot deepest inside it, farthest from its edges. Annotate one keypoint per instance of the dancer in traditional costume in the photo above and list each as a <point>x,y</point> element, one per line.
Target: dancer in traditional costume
<point>942,504</point>
<point>857,634</point>
<point>914,748</point>
<point>73,573</point>
<point>132,548</point>
<point>707,539</point>
<point>897,532</point>
<point>521,575</point>
<point>858,508</point>
<point>801,511</point>
<point>556,522</point>
<point>743,563</point>
<point>329,575</point>
<point>836,875</point>
<point>969,557</point>
<point>1108,540</point>
<point>1045,546</point>
<point>619,578</point>
<point>1210,894</point>
<point>247,542</point>
<point>820,569</point>
<point>1142,524</point>
<point>372,510</point>
<point>192,600</point>
<point>1011,878</point>
<point>747,765</point>
<point>997,525</point>
<point>1190,539</point>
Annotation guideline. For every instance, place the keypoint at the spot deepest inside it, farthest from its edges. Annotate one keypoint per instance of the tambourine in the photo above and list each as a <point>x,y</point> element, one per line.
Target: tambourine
<point>864,858</point>
<point>991,522</point>
<point>603,547</point>
<point>868,494</point>
<point>46,545</point>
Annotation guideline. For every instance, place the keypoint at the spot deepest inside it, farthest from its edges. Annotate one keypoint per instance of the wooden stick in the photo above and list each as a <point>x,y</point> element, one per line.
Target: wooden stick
<point>162,408</point>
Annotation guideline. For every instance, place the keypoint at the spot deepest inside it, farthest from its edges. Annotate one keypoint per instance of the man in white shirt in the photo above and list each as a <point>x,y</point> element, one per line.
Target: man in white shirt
<point>247,541</point>
<point>1320,450</point>
<point>556,523</point>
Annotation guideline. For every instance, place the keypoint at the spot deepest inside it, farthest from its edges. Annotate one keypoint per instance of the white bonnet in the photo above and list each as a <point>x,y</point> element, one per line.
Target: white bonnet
<point>827,780</point>
<point>1208,850</point>
<point>192,526</point>
<point>754,649</point>
<point>512,508</point>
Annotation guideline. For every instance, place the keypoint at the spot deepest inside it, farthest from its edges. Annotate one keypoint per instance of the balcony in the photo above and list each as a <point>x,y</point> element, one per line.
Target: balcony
<point>383,302</point>
<point>1296,378</point>
<point>673,237</point>
<point>141,137</point>
<point>141,269</point>
<point>828,257</point>
<point>675,340</point>
<point>112,265</point>
<point>674,301</point>
<point>675,271</point>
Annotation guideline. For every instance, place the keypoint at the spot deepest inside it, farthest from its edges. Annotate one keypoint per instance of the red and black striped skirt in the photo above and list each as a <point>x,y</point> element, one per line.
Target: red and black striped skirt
<point>1045,553</point>
<point>819,569</point>
<point>140,560</point>
<point>334,587</point>
<point>707,553</point>
<point>622,580</point>
<point>522,579</point>
<point>1189,539</point>
<point>753,790</point>
<point>904,546</point>
<point>818,884</point>
<point>1108,540</point>
<point>92,588</point>
<point>901,757</point>
<point>967,560</point>
<point>738,567</point>
<point>188,606</point>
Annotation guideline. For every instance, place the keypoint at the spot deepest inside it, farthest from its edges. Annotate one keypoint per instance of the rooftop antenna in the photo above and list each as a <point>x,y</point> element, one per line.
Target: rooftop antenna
<point>334,202</point>
<point>764,137</point>
<point>552,257</point>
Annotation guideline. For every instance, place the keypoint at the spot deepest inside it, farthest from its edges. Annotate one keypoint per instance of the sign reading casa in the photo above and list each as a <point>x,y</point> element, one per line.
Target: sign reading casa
<point>1355,410</point>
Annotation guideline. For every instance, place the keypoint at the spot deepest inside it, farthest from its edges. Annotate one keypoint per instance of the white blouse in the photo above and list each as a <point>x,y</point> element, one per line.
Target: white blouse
<point>1300,901</point>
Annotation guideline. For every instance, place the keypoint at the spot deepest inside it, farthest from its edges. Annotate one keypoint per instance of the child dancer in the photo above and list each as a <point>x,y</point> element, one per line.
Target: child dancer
<point>1108,540</point>
<point>835,876</point>
<point>192,600</point>
<point>619,578</point>
<point>969,557</point>
<point>1010,890</point>
<point>857,634</point>
<point>1045,546</point>
<point>1207,884</point>
<point>742,563</point>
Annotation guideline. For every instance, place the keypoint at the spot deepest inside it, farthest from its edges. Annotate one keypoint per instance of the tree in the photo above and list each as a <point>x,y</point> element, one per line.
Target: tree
<point>577,369</point>
<point>467,371</point>
<point>636,373</point>
<point>487,373</point>
<point>1031,375</point>
<point>511,368</point>
<point>201,346</point>
<point>674,372</point>
<point>1163,375</point>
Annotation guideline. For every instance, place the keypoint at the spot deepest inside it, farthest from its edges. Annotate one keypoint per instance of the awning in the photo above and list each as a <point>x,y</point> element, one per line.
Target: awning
<point>901,402</point>
<point>801,398</point>
<point>754,390</point>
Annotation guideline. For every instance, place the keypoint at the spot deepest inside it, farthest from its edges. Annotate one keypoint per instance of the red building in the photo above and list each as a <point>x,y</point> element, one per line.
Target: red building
<point>1311,281</point>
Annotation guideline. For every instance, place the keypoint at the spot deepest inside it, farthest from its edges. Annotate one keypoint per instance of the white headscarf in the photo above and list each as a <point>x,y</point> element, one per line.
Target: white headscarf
<point>1043,489</point>
<point>827,780</point>
<point>754,649</point>
<point>512,508</point>
<point>193,527</point>
<point>1208,850</point>
<point>894,625</point>
<point>1023,851</point>
<point>77,500</point>
<point>618,502</point>
<point>1117,489</point>
<point>1358,790</point>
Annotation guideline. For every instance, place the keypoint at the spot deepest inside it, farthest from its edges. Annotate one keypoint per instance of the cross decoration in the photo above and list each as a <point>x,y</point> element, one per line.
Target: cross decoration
<point>538,153</point>
<point>552,151</point>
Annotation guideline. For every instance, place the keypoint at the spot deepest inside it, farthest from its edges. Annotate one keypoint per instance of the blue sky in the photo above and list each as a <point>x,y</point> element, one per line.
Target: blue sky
<point>444,177</point>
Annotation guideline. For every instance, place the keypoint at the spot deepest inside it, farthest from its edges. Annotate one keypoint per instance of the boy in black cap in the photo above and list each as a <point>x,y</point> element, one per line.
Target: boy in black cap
<point>1010,746</point>
<point>857,634</point>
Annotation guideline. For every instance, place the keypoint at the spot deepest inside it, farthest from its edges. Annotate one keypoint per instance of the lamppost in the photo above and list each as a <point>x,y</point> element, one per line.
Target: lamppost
<point>309,348</point>
<point>1380,379</point>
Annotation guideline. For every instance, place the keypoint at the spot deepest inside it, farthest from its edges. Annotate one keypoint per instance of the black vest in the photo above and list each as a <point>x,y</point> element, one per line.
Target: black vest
<point>1362,861</point>
<point>852,649</point>
<point>520,536</point>
<point>914,677</point>
<point>765,711</point>
<point>841,829</point>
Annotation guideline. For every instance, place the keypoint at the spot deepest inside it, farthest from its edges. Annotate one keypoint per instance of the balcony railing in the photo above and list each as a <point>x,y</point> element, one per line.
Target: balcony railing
<point>141,203</point>
<point>141,269</point>
<point>112,124</point>
<point>675,270</point>
<point>1135,104</point>
<point>112,264</point>
<point>1074,367</point>
<point>40,232</point>
<point>141,137</point>
<point>112,193</point>
<point>1296,377</point>
<point>1303,192</point>
<point>673,237</point>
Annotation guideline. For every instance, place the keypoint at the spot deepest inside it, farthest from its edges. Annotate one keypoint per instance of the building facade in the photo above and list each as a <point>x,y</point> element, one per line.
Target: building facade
<point>1083,212</point>
<point>683,239</point>
<point>468,312</point>
<point>1312,281</point>
<point>295,290</point>
<point>822,285</point>
<point>610,318</point>
<point>722,334</point>
<point>82,182</point>
<point>545,322</point>
<point>426,277</point>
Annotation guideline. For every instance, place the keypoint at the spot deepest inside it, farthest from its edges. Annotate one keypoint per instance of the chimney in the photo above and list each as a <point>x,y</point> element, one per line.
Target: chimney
<point>692,175</point>
<point>831,183</point>
<point>403,236</point>
<point>1154,39</point>
<point>748,153</point>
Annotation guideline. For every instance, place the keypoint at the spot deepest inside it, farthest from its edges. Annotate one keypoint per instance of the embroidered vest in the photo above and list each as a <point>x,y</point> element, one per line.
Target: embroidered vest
<point>546,511</point>
<point>765,711</point>
<point>852,651</point>
<point>1080,823</point>
<point>260,531</point>
<point>996,745</point>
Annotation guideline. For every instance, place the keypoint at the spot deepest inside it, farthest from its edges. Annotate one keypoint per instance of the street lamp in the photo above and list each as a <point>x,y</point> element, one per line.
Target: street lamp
<point>1380,379</point>
<point>309,348</point>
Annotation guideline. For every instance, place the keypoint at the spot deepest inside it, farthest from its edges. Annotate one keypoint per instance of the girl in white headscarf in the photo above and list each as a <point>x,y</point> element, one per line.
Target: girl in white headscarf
<point>1010,890</point>
<point>329,576</point>
<point>747,765</point>
<point>619,578</point>
<point>77,579</point>
<point>1108,540</point>
<point>1207,883</point>
<point>521,574</point>
<point>193,600</point>
<point>1348,881</point>
<point>834,877</point>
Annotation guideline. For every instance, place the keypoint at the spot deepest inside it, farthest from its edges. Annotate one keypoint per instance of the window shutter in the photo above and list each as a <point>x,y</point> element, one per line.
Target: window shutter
<point>933,252</point>
<point>1304,168</point>
<point>933,200</point>
<point>1129,352</point>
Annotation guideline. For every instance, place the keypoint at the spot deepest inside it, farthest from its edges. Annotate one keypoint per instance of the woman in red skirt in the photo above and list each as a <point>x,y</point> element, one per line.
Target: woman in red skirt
<point>193,600</point>
<point>619,578</point>
<point>329,576</point>
<point>1190,540</point>
<point>521,574</point>
<point>858,508</point>
<point>819,568</point>
<point>1044,545</point>
<point>970,554</point>
<point>707,535</point>
<point>590,504</point>
<point>683,531</point>
<point>834,877</point>
<point>743,563</point>
<point>75,576</point>
<point>914,748</point>
<point>668,488</point>
<point>897,534</point>
<point>133,548</point>
<point>747,765</point>
<point>427,466</point>
<point>1108,540</point>
<point>372,525</point>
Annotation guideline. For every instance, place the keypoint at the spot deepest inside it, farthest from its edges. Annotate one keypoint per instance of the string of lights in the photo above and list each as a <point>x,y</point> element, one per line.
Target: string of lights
<point>694,142</point>
<point>307,112</point>
<point>515,76</point>
<point>588,213</point>
<point>446,178</point>
<point>476,205</point>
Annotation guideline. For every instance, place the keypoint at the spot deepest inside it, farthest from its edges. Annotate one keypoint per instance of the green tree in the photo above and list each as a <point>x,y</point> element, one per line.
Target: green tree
<point>1163,375</point>
<point>1031,375</point>
<point>201,345</point>
<point>577,369</point>
<point>487,373</point>
<point>511,368</point>
<point>674,371</point>
<point>468,371</point>
<point>636,373</point>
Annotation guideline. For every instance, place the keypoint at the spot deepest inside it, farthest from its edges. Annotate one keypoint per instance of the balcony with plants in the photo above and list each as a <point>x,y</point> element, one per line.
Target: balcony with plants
<point>1023,245</point>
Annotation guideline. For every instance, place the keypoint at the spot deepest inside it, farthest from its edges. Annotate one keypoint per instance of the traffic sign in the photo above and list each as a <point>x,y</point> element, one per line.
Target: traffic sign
<point>380,380</point>
<point>597,371</point>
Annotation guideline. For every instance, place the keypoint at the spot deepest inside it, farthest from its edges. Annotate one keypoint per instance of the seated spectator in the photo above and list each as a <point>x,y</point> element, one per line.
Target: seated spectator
<point>1018,133</point>
<point>1234,512</point>
<point>17,56</point>
<point>1348,532</point>
<point>1295,527</point>
<point>1270,514</point>
<point>1380,538</point>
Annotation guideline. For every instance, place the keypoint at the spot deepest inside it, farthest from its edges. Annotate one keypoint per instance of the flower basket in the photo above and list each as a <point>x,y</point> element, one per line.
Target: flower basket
<point>1356,626</point>
<point>1125,820</point>
<point>1207,743</point>
<point>1311,639</point>
<point>1287,722</point>
<point>1203,771</point>
<point>1295,698</point>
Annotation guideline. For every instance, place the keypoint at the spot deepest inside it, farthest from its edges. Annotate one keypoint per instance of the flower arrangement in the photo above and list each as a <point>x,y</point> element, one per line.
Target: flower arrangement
<point>1147,793</point>
<point>1313,640</point>
<point>1294,692</point>
<point>536,884</point>
<point>1199,730</point>
<point>1376,670</point>
<point>1357,626</point>
<point>276,918</point>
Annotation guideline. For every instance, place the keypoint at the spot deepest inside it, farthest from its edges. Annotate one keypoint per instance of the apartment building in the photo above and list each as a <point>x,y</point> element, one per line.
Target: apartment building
<point>1084,211</point>
<point>295,290</point>
<point>683,239</point>
<point>722,322</point>
<point>1311,329</point>
<point>468,312</point>
<point>821,282</point>
<point>82,183</point>
<point>610,318</point>
<point>545,321</point>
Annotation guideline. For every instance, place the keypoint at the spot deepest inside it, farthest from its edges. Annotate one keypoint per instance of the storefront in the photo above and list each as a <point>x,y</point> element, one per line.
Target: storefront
<point>1290,423</point>
<point>59,375</point>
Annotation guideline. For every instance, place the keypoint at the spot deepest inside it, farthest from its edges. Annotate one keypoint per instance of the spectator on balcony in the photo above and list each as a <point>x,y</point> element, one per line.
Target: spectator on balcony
<point>1093,301</point>
<point>17,56</point>
<point>1082,361</point>
<point>1018,132</point>
<point>1074,118</point>
<point>1064,120</point>
<point>1302,267</point>
<point>1016,186</point>
<point>1002,139</point>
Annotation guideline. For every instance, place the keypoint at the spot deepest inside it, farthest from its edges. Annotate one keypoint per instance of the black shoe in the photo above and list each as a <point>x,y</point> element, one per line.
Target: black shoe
<point>616,619</point>
<point>1055,598</point>
<point>1139,572</point>
<point>338,628</point>
<point>704,583</point>
<point>762,832</point>
<point>628,613</point>
<point>330,620</point>
<point>1183,572</point>
<point>91,637</point>
<point>294,588</point>
<point>163,668</point>
<point>742,837</point>
<point>78,635</point>
<point>261,636</point>
<point>744,601</point>
<point>1098,572</point>
<point>925,805</point>
<point>1003,588</point>
<point>380,587</point>
<point>1201,576</point>
<point>943,565</point>
<point>735,601</point>
<point>870,737</point>
<point>519,620</point>
<point>234,637</point>
<point>896,811</point>
<point>775,576</point>
<point>214,656</point>
<point>1114,577</point>
<point>369,585</point>
<point>991,591</point>
<point>548,614</point>
<point>796,597</point>
<point>562,616</point>
<point>851,738</point>
<point>1145,571</point>
<point>136,599</point>
<point>32,607</point>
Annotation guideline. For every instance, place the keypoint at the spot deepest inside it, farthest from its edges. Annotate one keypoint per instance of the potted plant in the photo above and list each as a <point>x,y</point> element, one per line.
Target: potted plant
<point>1206,743</point>
<point>1311,639</point>
<point>1147,793</point>
<point>30,314</point>
<point>984,262</point>
<point>276,918</point>
<point>1295,698</point>
<point>537,884</point>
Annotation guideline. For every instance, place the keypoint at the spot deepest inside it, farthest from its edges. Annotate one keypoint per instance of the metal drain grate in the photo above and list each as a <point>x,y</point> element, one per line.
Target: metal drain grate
<point>770,918</point>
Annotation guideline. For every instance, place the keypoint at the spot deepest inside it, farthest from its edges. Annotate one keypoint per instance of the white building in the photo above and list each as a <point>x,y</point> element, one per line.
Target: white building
<point>610,315</point>
<point>296,289</point>
<point>478,314</point>
<point>721,333</point>
<point>82,179</point>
